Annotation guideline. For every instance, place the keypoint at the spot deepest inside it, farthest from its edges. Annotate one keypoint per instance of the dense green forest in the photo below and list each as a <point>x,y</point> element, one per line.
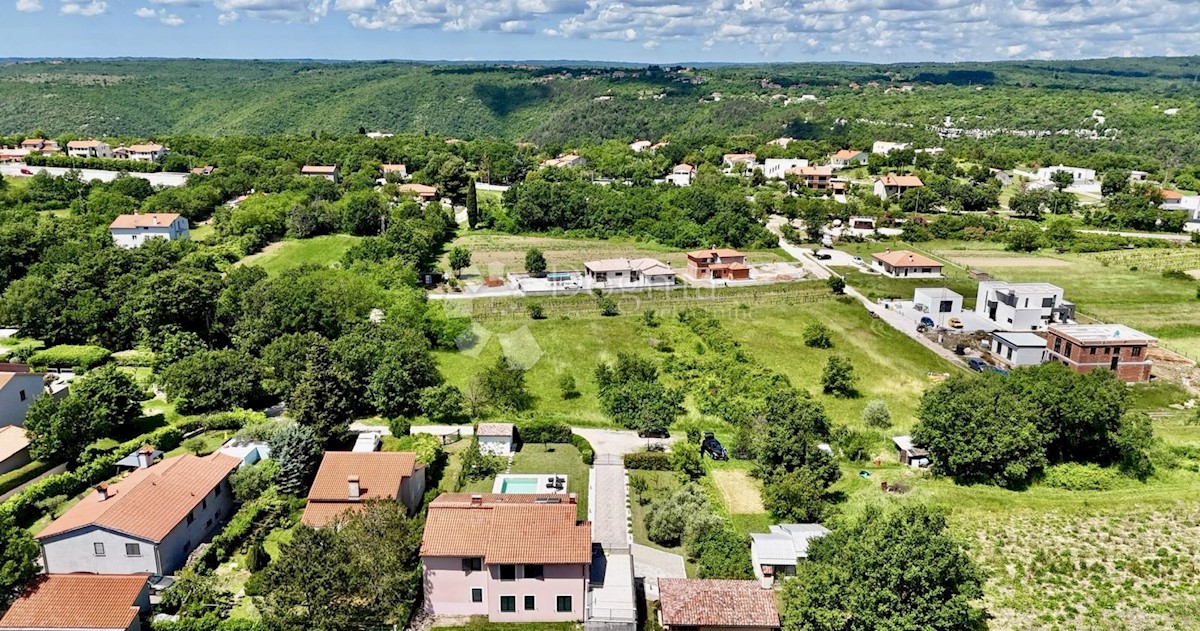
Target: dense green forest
<point>555,105</point>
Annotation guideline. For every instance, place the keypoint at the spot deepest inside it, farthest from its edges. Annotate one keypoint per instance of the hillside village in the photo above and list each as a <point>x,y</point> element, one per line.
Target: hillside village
<point>384,380</point>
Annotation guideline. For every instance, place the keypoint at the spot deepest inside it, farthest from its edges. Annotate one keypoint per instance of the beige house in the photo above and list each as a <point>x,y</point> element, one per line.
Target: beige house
<point>329,172</point>
<point>89,149</point>
<point>147,153</point>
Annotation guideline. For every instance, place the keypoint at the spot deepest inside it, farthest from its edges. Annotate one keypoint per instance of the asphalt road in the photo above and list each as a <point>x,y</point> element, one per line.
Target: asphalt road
<point>157,179</point>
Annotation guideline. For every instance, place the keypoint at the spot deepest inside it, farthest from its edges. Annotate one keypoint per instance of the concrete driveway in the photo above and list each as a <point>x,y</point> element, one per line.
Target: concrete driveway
<point>617,442</point>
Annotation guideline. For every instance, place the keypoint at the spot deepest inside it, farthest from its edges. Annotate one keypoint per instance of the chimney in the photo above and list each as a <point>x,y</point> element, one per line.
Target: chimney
<point>154,218</point>
<point>476,500</point>
<point>571,498</point>
<point>352,482</point>
<point>102,491</point>
<point>145,457</point>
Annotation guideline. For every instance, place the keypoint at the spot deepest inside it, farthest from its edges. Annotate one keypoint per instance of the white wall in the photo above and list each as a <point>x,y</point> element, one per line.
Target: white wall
<point>932,303</point>
<point>129,238</point>
<point>1018,356</point>
<point>75,552</point>
<point>774,168</point>
<point>12,408</point>
<point>496,445</point>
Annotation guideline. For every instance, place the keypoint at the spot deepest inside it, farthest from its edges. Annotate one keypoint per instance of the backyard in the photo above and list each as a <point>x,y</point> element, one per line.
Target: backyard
<point>324,251</point>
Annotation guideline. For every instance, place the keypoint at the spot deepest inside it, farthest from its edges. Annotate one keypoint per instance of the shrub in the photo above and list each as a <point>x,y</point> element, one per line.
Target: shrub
<point>1174,274</point>
<point>649,318</point>
<point>569,389</point>
<point>648,461</point>
<point>585,449</point>
<point>1081,477</point>
<point>427,447</point>
<point>608,306</point>
<point>836,284</point>
<point>444,404</point>
<point>536,311</point>
<point>817,335</point>
<point>195,445</point>
<point>687,461</point>
<point>544,431</point>
<point>69,356</point>
<point>877,414</point>
<point>399,426</point>
<point>257,558</point>
<point>838,377</point>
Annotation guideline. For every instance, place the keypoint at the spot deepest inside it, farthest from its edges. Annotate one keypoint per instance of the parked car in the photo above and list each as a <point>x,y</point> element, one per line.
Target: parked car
<point>858,260</point>
<point>954,323</point>
<point>653,433</point>
<point>927,321</point>
<point>998,370</point>
<point>976,364</point>
<point>823,256</point>
<point>25,171</point>
<point>712,447</point>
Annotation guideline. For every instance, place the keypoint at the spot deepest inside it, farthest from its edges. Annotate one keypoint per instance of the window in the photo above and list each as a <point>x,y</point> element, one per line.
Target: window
<point>508,604</point>
<point>203,504</point>
<point>1107,350</point>
<point>529,603</point>
<point>98,549</point>
<point>472,564</point>
<point>217,493</point>
<point>1057,343</point>
<point>22,393</point>
<point>1048,303</point>
<point>133,550</point>
<point>476,594</point>
<point>533,571</point>
<point>562,604</point>
<point>190,518</point>
<point>1092,351</point>
<point>1136,351</point>
<point>1069,347</point>
<point>508,572</point>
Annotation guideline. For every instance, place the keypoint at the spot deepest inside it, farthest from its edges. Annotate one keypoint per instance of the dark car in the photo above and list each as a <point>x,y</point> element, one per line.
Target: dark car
<point>927,321</point>
<point>653,433</point>
<point>1003,372</point>
<point>712,447</point>
<point>976,364</point>
<point>824,256</point>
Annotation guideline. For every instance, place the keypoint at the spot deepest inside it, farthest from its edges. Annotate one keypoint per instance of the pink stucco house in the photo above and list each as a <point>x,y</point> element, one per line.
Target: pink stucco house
<point>512,557</point>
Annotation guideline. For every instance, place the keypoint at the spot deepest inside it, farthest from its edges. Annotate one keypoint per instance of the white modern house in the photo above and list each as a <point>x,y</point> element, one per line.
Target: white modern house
<point>89,149</point>
<point>1079,176</point>
<point>938,302</point>
<point>17,392</point>
<point>1018,348</point>
<point>883,148</point>
<point>625,273</point>
<point>776,553</point>
<point>775,168</point>
<point>131,231</point>
<point>734,162</point>
<point>149,521</point>
<point>682,175</point>
<point>496,439</point>
<point>1022,306</point>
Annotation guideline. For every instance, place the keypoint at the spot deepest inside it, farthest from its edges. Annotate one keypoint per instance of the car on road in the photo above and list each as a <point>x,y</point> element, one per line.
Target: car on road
<point>927,321</point>
<point>954,323</point>
<point>712,447</point>
<point>976,364</point>
<point>858,260</point>
<point>653,433</point>
<point>823,256</point>
<point>25,171</point>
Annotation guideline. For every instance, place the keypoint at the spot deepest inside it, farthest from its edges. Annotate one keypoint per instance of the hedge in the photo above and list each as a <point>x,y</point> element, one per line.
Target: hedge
<point>585,449</point>
<point>17,477</point>
<point>70,356</point>
<point>103,164</point>
<point>210,622</point>
<point>648,461</point>
<point>544,431</point>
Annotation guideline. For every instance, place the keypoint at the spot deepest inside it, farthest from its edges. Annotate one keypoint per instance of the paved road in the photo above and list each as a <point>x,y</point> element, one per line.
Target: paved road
<point>615,442</point>
<point>650,564</point>
<point>157,179</point>
<point>1181,238</point>
<point>802,255</point>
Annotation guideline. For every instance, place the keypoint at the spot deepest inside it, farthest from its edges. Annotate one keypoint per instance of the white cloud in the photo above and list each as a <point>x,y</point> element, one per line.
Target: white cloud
<point>228,17</point>
<point>162,15</point>
<point>29,6</point>
<point>95,7</point>
<point>291,11</point>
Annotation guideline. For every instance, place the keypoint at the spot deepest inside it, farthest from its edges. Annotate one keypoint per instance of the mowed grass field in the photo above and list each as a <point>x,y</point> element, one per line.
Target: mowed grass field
<point>324,251</point>
<point>498,253</point>
<point>890,366</point>
<point>1118,291</point>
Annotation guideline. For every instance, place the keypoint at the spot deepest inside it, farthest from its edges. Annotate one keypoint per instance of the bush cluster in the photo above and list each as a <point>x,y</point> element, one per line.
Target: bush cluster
<point>648,461</point>
<point>70,356</point>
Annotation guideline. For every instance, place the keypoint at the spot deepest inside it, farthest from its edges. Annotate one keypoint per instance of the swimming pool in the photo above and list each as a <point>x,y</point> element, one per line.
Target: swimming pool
<point>519,485</point>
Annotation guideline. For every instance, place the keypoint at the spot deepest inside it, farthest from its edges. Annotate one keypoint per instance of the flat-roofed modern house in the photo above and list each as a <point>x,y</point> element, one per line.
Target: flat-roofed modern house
<point>347,479</point>
<point>775,168</point>
<point>883,147</point>
<point>1087,347</point>
<point>80,602</point>
<point>1079,175</point>
<point>1018,348</point>
<point>718,263</point>
<point>327,171</point>
<point>628,274</point>
<point>149,521</point>
<point>692,604</point>
<point>17,392</point>
<point>131,231</point>
<point>776,553</point>
<point>1022,306</point>
<point>89,149</point>
<point>905,264</point>
<point>510,557</point>
<point>938,302</point>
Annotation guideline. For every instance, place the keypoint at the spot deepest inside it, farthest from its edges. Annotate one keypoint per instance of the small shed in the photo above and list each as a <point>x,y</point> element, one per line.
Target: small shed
<point>1018,348</point>
<point>937,300</point>
<point>495,438</point>
<point>909,453</point>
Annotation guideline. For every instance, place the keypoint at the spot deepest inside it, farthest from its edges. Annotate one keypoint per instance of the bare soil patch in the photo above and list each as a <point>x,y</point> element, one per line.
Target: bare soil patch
<point>739,491</point>
<point>1008,261</point>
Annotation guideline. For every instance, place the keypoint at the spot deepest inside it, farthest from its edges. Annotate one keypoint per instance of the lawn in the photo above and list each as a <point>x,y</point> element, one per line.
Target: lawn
<point>556,458</point>
<point>324,251</point>
<point>498,253</point>
<point>480,623</point>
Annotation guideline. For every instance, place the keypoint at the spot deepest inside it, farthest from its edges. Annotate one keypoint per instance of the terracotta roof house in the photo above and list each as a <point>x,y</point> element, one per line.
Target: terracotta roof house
<point>639,146</point>
<point>131,231</point>
<point>511,557</point>
<point>718,263</point>
<point>17,392</point>
<point>89,149</point>
<point>398,169</point>
<point>346,479</point>
<point>150,152</point>
<point>80,602</point>
<point>689,603</point>
<point>625,273</point>
<point>896,185</point>
<point>815,177</point>
<point>39,145</point>
<point>496,438</point>
<point>149,521</point>
<point>1087,347</point>
<point>329,172</point>
<point>204,170</point>
<point>682,175</point>
<point>418,190</point>
<point>563,162</point>
<point>732,160</point>
<point>14,448</point>
<point>847,158</point>
<point>1171,198</point>
<point>905,264</point>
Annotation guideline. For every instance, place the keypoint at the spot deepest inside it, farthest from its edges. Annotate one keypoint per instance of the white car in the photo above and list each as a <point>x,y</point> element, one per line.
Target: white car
<point>858,260</point>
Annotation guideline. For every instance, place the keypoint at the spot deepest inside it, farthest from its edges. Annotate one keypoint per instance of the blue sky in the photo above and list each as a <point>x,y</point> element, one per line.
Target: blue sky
<point>632,30</point>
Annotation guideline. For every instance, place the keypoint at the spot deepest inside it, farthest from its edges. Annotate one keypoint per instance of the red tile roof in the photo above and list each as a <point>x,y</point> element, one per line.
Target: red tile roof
<point>846,154</point>
<point>151,220</point>
<point>1169,194</point>
<point>495,429</point>
<point>724,253</point>
<point>903,181</point>
<point>148,503</point>
<point>379,473</point>
<point>511,528</point>
<point>418,189</point>
<point>716,603</point>
<point>318,169</point>
<point>77,602</point>
<point>904,258</point>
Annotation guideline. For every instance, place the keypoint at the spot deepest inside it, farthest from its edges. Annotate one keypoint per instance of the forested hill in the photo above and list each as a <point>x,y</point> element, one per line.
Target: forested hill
<point>559,104</point>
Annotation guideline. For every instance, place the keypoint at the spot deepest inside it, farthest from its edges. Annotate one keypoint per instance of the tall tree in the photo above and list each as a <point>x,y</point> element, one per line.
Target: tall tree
<point>297,450</point>
<point>472,206</point>
<point>325,397</point>
<point>18,551</point>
